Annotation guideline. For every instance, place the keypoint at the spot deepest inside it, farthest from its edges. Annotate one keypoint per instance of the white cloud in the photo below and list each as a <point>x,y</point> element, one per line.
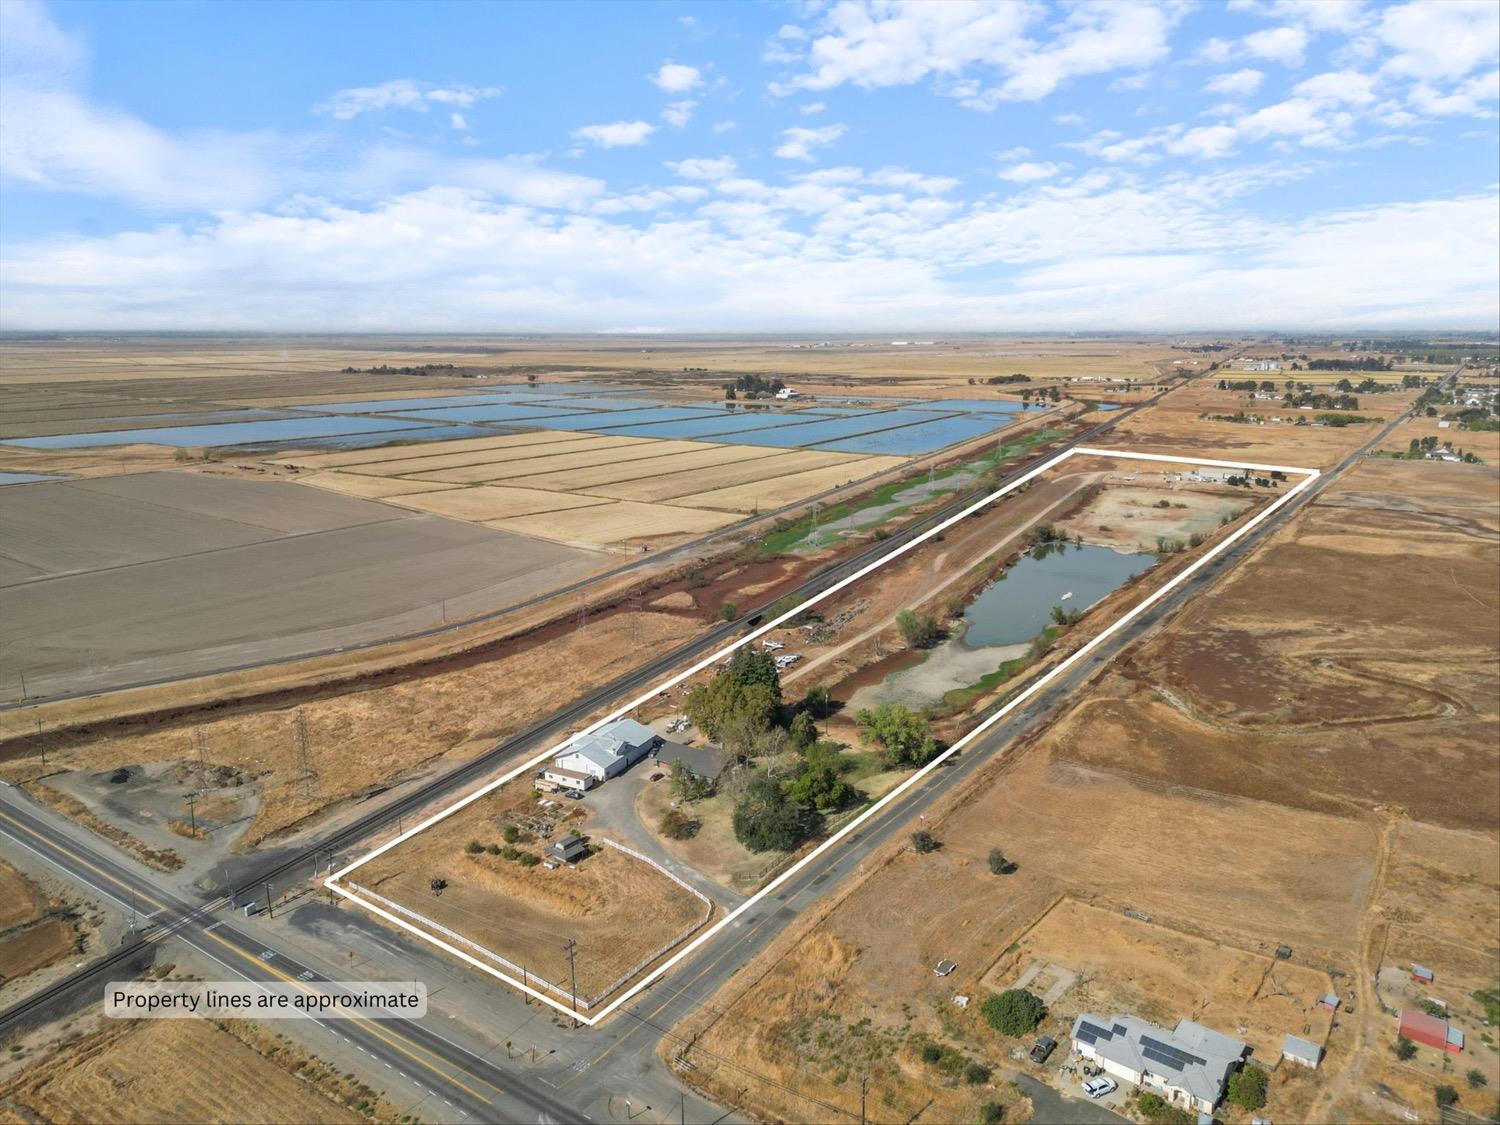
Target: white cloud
<point>615,134</point>
<point>1344,86</point>
<point>678,114</point>
<point>703,167</point>
<point>675,78</point>
<point>1239,83</point>
<point>1029,173</point>
<point>879,43</point>
<point>1174,255</point>
<point>811,108</point>
<point>797,143</point>
<point>399,93</point>
<point>725,126</point>
<point>457,121</point>
<point>1284,45</point>
<point>1440,40</point>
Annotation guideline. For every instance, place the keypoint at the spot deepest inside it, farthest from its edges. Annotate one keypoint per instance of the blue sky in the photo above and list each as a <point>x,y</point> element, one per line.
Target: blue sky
<point>851,165</point>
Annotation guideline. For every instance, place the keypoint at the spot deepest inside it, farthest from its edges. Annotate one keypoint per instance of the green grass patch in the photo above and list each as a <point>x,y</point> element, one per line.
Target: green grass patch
<point>788,537</point>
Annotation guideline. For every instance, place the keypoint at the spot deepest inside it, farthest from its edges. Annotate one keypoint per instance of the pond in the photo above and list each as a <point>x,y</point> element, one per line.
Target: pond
<point>1000,624</point>
<point>1019,606</point>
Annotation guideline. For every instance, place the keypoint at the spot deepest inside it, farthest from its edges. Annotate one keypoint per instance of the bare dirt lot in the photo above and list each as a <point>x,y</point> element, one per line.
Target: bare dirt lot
<point>130,578</point>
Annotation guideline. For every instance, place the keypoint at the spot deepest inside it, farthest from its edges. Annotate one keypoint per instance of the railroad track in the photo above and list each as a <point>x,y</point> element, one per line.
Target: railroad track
<point>308,859</point>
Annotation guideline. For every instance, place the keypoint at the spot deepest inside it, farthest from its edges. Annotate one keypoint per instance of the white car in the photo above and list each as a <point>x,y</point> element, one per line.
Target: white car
<point>772,646</point>
<point>1098,1087</point>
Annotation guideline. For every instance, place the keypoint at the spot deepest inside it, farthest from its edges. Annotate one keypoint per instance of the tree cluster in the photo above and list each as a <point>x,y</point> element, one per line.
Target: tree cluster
<point>904,736</point>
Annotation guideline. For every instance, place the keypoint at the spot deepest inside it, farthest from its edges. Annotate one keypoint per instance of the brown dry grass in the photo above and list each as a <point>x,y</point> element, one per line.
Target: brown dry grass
<point>622,522</point>
<point>618,909</point>
<point>190,1071</point>
<point>361,740</point>
<point>376,488</point>
<point>485,503</point>
<point>29,939</point>
<point>774,491</point>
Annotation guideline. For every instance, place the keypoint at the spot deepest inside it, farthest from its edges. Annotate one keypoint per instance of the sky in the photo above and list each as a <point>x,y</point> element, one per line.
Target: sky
<point>844,166</point>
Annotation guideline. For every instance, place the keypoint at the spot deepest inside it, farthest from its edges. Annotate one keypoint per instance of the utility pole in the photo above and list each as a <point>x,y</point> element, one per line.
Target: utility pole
<point>864,1082</point>
<point>41,745</point>
<point>571,949</point>
<point>192,799</point>
<point>270,910</point>
<point>200,746</point>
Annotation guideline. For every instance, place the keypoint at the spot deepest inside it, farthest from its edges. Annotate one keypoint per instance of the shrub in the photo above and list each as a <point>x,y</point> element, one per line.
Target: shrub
<point>976,1074</point>
<point>931,1052</point>
<point>528,859</point>
<point>729,612</point>
<point>904,736</point>
<point>510,852</point>
<point>923,842</point>
<point>1157,1109</point>
<point>1444,1095</point>
<point>492,849</point>
<point>677,825</point>
<point>999,865</point>
<point>1476,1079</point>
<point>919,630</point>
<point>991,1113</point>
<point>1247,1087</point>
<point>473,847</point>
<point>1013,1012</point>
<point>511,834</point>
<point>1405,1048</point>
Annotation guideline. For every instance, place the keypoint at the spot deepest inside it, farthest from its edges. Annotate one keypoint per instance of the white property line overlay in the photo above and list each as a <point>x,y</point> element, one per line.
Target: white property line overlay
<point>1308,475</point>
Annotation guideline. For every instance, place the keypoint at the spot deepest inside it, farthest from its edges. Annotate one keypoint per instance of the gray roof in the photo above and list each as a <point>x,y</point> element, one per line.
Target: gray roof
<point>1301,1049</point>
<point>611,741</point>
<point>1191,1056</point>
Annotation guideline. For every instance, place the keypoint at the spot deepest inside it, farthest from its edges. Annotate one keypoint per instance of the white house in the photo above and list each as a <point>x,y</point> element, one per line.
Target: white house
<point>566,778</point>
<point>787,392</point>
<point>610,750</point>
<point>1188,1066</point>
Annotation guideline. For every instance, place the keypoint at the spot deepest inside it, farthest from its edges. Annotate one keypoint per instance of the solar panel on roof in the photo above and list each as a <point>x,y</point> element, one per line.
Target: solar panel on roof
<point>1091,1033</point>
<point>1167,1054</point>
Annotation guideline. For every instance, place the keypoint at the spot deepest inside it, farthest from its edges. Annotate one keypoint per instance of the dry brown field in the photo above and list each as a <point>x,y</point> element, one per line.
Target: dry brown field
<point>486,447</point>
<point>29,939</point>
<point>372,488</point>
<point>618,909</point>
<point>1174,426</point>
<point>487,503</point>
<point>123,1067</point>
<point>416,723</point>
<point>1308,754</point>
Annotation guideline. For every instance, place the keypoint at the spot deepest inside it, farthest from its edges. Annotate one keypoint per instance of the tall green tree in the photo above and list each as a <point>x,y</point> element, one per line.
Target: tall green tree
<point>750,666</point>
<point>820,782</point>
<point>766,819</point>
<point>903,735</point>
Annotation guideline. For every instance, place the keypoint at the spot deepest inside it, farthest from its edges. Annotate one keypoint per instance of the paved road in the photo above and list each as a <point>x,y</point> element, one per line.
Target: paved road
<point>468,1085</point>
<point>633,1037</point>
<point>1053,1108</point>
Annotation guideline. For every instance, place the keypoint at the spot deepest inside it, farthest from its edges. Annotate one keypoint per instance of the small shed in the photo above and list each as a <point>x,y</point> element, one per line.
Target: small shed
<point>1330,1001</point>
<point>568,848</point>
<point>1421,973</point>
<point>1301,1051</point>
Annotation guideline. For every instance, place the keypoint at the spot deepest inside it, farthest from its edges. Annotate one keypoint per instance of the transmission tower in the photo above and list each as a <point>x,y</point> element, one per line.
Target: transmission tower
<point>304,757</point>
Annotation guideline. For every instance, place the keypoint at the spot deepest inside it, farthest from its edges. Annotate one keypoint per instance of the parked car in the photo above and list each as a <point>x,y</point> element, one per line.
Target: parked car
<point>573,794</point>
<point>944,967</point>
<point>1098,1087</point>
<point>1042,1048</point>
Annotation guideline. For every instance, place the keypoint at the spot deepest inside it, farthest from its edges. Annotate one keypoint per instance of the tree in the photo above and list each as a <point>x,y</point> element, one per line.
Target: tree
<point>1012,1012</point>
<point>976,1074</point>
<point>820,783</point>
<point>923,842</point>
<point>766,819</point>
<point>732,713</point>
<point>1405,1048</point>
<point>728,612</point>
<point>803,731</point>
<point>816,700</point>
<point>1444,1095</point>
<point>510,834</point>
<point>918,630</point>
<point>999,865</point>
<point>749,667</point>
<point>991,1113</point>
<point>1475,1078</point>
<point>1247,1087</point>
<point>686,784</point>
<point>903,735</point>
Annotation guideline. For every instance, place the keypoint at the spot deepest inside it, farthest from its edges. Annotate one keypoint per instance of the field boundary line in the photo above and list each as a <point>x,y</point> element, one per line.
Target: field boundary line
<point>1309,475</point>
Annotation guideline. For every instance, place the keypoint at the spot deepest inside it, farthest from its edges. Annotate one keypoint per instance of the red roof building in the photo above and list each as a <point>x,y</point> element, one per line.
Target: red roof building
<point>1430,1031</point>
